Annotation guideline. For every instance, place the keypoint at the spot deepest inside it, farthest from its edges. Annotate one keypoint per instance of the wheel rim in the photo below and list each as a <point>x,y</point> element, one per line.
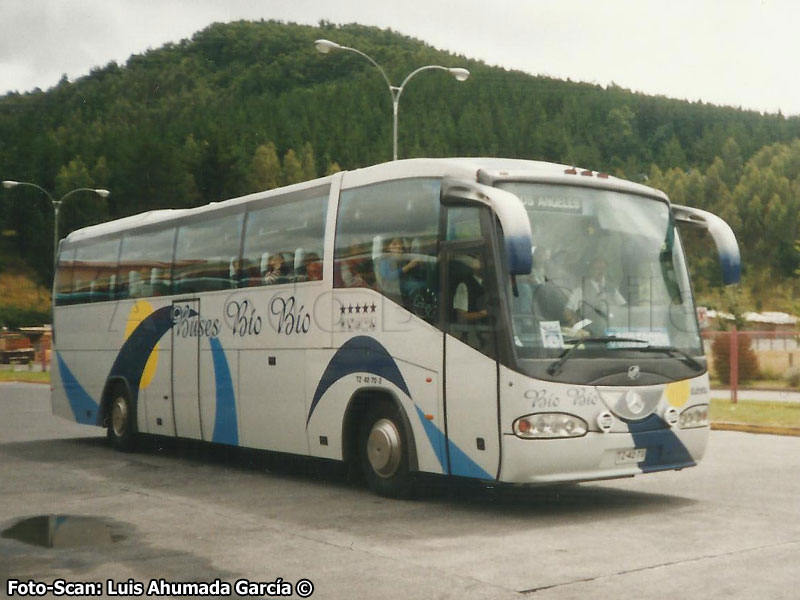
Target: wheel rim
<point>119,416</point>
<point>384,448</point>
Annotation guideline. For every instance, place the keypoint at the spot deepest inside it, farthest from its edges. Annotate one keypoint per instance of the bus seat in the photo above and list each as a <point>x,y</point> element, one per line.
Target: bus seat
<point>550,301</point>
<point>134,284</point>
<point>288,263</point>
<point>158,287</point>
<point>264,263</point>
<point>299,257</point>
<point>377,252</point>
<point>235,272</point>
<point>377,247</point>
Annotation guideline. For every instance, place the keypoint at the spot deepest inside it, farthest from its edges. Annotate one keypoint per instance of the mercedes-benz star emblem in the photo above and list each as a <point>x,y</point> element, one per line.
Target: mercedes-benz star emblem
<point>634,402</point>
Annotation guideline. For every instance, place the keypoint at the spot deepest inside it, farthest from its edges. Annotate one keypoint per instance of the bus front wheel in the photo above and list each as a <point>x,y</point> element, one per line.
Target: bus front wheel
<point>383,452</point>
<point>122,431</point>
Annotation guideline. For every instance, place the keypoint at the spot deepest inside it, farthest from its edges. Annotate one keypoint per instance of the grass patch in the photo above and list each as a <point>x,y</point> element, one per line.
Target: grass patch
<point>25,376</point>
<point>756,384</point>
<point>753,412</point>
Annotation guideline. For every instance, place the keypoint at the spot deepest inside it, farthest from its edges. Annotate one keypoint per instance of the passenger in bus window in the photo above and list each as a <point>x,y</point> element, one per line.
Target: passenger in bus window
<point>548,299</point>
<point>276,270</point>
<point>470,306</point>
<point>594,298</point>
<point>356,269</point>
<point>311,269</point>
<point>469,299</point>
<point>393,269</point>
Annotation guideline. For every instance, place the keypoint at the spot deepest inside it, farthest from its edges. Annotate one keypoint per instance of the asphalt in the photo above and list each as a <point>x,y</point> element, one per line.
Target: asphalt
<point>729,528</point>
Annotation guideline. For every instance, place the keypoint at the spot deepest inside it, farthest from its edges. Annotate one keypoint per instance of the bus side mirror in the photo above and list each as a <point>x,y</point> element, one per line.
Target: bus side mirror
<point>509,211</point>
<point>721,233</point>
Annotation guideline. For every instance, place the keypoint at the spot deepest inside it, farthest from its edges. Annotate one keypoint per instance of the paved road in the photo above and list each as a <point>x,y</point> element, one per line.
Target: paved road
<point>727,529</point>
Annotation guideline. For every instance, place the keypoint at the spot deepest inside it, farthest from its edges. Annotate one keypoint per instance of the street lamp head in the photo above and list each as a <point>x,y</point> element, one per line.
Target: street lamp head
<point>102,193</point>
<point>325,46</point>
<point>459,73</point>
<point>8,184</point>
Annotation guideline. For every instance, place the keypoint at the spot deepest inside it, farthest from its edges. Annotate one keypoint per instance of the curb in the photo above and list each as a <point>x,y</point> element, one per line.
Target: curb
<point>765,429</point>
<point>747,388</point>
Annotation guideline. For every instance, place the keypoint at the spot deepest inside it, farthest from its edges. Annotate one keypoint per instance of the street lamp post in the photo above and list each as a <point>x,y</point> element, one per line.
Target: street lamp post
<point>326,46</point>
<point>8,184</point>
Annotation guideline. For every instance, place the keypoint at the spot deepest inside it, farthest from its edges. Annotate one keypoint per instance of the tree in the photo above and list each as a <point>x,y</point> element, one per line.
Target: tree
<point>672,154</point>
<point>265,169</point>
<point>333,167</point>
<point>83,208</point>
<point>308,163</point>
<point>797,250</point>
<point>292,169</point>
<point>200,121</point>
<point>732,158</point>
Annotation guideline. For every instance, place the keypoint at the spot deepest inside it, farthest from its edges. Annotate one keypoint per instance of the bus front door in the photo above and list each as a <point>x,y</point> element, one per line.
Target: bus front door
<point>185,369</point>
<point>473,441</point>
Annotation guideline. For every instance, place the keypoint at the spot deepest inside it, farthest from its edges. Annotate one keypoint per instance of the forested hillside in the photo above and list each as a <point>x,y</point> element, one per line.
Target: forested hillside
<point>251,105</point>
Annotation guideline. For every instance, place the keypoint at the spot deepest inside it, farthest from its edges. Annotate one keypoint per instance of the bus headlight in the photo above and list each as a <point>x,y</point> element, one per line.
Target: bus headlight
<point>549,426</point>
<point>694,416</point>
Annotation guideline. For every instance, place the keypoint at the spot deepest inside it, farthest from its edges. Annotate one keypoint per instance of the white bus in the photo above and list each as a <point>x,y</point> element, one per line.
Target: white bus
<point>503,320</point>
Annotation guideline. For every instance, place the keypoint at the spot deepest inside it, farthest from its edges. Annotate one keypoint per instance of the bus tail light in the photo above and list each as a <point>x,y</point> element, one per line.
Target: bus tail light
<point>549,426</point>
<point>694,416</point>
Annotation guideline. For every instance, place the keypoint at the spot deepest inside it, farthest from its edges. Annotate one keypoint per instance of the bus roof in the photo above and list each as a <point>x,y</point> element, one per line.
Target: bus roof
<point>485,170</point>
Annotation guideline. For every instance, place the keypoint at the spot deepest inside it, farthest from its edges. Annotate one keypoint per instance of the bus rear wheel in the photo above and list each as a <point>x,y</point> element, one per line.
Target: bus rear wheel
<point>383,452</point>
<point>122,430</point>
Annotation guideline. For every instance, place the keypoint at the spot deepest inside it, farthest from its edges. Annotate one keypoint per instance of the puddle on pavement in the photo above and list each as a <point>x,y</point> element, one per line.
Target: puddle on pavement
<point>64,531</point>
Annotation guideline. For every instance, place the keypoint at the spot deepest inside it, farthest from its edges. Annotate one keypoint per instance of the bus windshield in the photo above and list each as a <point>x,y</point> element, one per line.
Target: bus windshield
<point>606,264</point>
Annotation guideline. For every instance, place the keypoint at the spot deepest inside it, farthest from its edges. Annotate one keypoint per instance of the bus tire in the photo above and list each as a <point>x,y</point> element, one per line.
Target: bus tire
<point>383,451</point>
<point>122,429</point>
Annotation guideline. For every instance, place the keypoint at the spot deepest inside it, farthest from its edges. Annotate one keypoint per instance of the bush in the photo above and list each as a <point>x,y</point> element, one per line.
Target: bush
<point>14,317</point>
<point>792,377</point>
<point>748,362</point>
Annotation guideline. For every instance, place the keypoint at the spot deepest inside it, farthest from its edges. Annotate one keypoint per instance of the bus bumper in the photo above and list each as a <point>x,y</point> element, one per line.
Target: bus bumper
<point>599,456</point>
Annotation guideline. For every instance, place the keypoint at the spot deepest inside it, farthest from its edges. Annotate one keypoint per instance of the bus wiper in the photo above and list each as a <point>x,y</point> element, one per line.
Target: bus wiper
<point>555,367</point>
<point>674,352</point>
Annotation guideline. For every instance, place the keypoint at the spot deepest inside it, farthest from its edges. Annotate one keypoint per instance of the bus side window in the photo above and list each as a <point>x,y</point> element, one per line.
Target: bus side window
<point>386,239</point>
<point>284,236</point>
<point>95,265</point>
<point>470,292</point>
<point>470,305</point>
<point>141,254</point>
<point>201,250</point>
<point>63,280</point>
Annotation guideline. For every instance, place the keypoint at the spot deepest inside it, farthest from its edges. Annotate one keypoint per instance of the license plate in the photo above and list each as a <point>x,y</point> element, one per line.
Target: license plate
<point>632,456</point>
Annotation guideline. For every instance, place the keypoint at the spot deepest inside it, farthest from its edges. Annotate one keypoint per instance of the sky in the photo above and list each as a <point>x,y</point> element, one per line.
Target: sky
<point>741,53</point>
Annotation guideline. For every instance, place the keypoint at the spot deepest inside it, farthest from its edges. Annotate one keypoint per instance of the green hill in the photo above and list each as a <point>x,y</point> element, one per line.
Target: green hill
<point>250,105</point>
